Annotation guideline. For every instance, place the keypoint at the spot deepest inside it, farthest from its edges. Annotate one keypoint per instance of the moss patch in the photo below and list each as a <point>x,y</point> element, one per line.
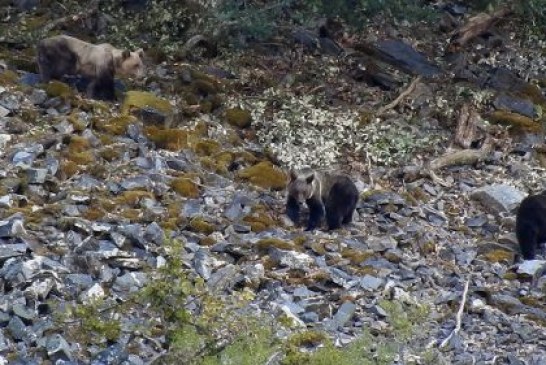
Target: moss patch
<point>499,256</point>
<point>259,219</point>
<point>144,99</point>
<point>238,117</point>
<point>198,224</point>
<point>68,169</point>
<point>109,154</point>
<point>206,147</point>
<point>133,197</point>
<point>78,144</point>
<point>265,175</point>
<point>356,256</point>
<point>58,89</point>
<point>93,213</point>
<point>265,244</point>
<point>185,186</point>
<point>74,119</point>
<point>169,139</point>
<point>116,126</point>
<point>8,77</point>
<point>82,158</point>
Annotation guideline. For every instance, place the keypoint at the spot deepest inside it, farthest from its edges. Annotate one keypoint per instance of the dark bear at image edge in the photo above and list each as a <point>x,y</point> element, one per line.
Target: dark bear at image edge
<point>531,224</point>
<point>63,55</point>
<point>327,194</point>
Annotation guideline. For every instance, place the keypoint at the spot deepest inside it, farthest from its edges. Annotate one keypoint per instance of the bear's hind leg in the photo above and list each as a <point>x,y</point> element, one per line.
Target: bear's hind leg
<point>334,219</point>
<point>335,213</point>
<point>350,212</point>
<point>527,238</point>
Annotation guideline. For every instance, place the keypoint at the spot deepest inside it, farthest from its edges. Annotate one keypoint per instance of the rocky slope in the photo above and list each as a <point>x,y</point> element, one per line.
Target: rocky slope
<point>91,193</point>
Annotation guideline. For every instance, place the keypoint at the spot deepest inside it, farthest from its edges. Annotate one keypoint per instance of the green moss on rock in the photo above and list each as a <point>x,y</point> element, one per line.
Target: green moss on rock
<point>116,126</point>
<point>144,99</point>
<point>132,197</point>
<point>8,77</point>
<point>109,154</point>
<point>206,147</point>
<point>499,255</point>
<point>58,89</point>
<point>170,139</point>
<point>185,186</point>
<point>259,219</point>
<point>265,175</point>
<point>265,244</point>
<point>238,117</point>
<point>198,224</point>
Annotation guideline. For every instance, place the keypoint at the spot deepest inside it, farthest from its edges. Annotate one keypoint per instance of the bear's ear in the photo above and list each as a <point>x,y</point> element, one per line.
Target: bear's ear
<point>310,178</point>
<point>140,52</point>
<point>125,54</point>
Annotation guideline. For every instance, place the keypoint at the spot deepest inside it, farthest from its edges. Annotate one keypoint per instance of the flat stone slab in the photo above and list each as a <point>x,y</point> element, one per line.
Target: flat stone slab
<point>499,198</point>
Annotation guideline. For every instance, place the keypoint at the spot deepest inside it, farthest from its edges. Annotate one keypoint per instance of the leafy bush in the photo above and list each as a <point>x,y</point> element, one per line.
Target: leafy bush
<point>163,24</point>
<point>259,20</point>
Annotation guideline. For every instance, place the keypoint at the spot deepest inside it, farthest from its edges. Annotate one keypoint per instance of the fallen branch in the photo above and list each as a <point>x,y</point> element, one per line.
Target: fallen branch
<point>90,10</point>
<point>476,26</point>
<point>462,157</point>
<point>402,95</point>
<point>459,316</point>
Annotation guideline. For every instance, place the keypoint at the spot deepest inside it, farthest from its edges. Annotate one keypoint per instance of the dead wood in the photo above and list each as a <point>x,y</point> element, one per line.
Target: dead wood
<point>400,97</point>
<point>91,10</point>
<point>467,126</point>
<point>463,157</point>
<point>457,158</point>
<point>474,27</point>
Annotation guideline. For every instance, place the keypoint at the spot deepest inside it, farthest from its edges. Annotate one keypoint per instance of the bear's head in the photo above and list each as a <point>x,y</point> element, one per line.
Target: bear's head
<point>130,63</point>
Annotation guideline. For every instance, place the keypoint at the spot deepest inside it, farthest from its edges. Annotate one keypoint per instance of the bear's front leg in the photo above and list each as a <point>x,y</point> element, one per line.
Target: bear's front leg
<point>316,213</point>
<point>293,210</point>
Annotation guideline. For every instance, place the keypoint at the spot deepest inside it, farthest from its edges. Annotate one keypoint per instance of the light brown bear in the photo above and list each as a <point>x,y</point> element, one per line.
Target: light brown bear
<point>64,55</point>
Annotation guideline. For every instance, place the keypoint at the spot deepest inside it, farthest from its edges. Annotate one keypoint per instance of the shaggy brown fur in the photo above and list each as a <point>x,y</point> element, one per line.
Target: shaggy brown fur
<point>64,55</point>
<point>333,195</point>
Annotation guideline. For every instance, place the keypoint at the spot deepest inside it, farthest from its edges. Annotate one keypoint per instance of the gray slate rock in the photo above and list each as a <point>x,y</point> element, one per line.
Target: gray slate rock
<point>499,198</point>
<point>113,355</point>
<point>532,267</point>
<point>342,316</point>
<point>36,176</point>
<point>57,348</point>
<point>290,259</point>
<point>514,104</point>
<point>12,227</point>
<point>370,283</point>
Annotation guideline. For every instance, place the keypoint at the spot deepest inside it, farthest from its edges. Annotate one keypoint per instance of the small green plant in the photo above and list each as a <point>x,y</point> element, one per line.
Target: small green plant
<point>403,318</point>
<point>90,322</point>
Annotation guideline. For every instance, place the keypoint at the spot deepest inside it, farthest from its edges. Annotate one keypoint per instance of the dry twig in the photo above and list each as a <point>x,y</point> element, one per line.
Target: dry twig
<point>459,316</point>
<point>402,95</point>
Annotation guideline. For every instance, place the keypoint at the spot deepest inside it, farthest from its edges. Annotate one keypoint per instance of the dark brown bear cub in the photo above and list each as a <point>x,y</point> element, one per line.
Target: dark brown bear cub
<point>531,224</point>
<point>64,55</point>
<point>333,195</point>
